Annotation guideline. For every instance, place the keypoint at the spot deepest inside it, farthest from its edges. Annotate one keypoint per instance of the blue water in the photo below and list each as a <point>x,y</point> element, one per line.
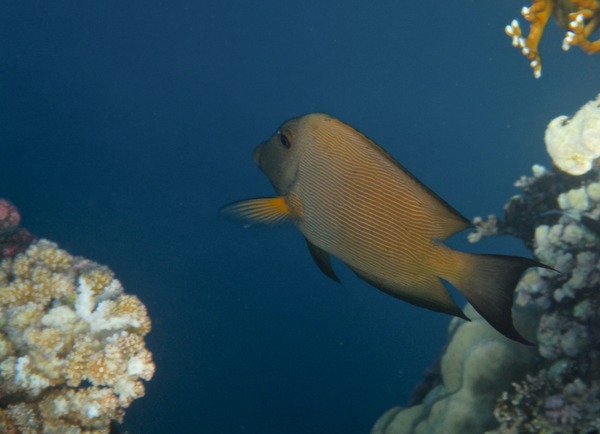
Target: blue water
<point>124,126</point>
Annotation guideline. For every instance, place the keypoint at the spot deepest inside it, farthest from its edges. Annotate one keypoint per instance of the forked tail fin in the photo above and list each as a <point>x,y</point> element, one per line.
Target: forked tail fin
<point>488,283</point>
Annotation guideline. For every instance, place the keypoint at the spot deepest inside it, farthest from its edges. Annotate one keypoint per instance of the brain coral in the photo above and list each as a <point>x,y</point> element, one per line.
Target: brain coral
<point>477,366</point>
<point>72,351</point>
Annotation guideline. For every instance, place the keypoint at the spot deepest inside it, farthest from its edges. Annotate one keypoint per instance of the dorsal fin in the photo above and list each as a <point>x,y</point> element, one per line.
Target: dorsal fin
<point>446,218</point>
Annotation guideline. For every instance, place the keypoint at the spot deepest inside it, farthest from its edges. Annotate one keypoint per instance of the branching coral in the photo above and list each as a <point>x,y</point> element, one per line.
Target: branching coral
<point>72,351</point>
<point>542,404</point>
<point>580,18</point>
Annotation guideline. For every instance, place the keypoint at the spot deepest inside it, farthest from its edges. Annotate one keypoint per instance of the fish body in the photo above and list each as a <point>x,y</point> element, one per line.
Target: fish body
<point>351,199</point>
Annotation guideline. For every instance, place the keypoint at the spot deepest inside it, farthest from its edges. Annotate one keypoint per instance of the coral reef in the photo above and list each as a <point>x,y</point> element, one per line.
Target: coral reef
<point>477,365</point>
<point>557,215</point>
<point>541,404</point>
<point>72,351</point>
<point>13,239</point>
<point>580,18</point>
<point>574,144</point>
<point>563,395</point>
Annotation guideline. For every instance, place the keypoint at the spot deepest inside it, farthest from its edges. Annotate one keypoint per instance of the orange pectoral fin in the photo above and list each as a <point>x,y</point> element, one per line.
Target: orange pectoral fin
<point>268,210</point>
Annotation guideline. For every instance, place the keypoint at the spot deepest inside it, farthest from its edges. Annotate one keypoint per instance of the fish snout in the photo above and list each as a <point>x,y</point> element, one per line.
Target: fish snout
<point>256,154</point>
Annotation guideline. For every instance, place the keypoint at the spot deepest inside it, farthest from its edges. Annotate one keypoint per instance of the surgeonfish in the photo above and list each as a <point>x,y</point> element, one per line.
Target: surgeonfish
<point>351,199</point>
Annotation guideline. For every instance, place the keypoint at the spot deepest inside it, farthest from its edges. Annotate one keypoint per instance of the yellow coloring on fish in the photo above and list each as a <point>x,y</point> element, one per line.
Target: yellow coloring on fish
<point>352,200</point>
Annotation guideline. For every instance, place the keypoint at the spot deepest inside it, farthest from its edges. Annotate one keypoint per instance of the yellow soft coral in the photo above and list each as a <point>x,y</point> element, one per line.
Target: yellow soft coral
<point>580,18</point>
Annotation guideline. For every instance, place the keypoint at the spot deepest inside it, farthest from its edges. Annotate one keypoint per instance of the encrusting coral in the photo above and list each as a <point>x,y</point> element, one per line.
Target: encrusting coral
<point>580,18</point>
<point>557,215</point>
<point>72,351</point>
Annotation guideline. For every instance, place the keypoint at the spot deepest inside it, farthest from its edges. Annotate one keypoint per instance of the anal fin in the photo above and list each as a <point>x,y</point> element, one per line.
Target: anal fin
<point>433,296</point>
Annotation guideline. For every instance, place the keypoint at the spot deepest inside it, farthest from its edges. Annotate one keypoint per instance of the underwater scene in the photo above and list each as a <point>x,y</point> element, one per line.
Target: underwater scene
<point>300,217</point>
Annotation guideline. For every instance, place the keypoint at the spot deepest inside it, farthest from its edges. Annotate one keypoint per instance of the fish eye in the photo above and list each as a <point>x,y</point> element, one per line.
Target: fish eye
<point>284,140</point>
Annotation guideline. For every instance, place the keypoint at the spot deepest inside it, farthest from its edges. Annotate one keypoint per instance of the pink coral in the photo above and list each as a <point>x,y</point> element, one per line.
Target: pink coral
<point>9,216</point>
<point>13,239</point>
<point>561,412</point>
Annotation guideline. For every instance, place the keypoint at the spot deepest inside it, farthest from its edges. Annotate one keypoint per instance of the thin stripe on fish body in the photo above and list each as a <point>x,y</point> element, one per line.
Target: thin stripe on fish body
<point>359,205</point>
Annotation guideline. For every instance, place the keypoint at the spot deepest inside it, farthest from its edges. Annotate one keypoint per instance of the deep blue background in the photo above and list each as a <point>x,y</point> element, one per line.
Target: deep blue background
<point>125,125</point>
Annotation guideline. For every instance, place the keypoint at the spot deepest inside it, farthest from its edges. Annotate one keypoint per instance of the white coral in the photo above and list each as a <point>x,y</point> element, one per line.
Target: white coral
<point>574,144</point>
<point>70,342</point>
